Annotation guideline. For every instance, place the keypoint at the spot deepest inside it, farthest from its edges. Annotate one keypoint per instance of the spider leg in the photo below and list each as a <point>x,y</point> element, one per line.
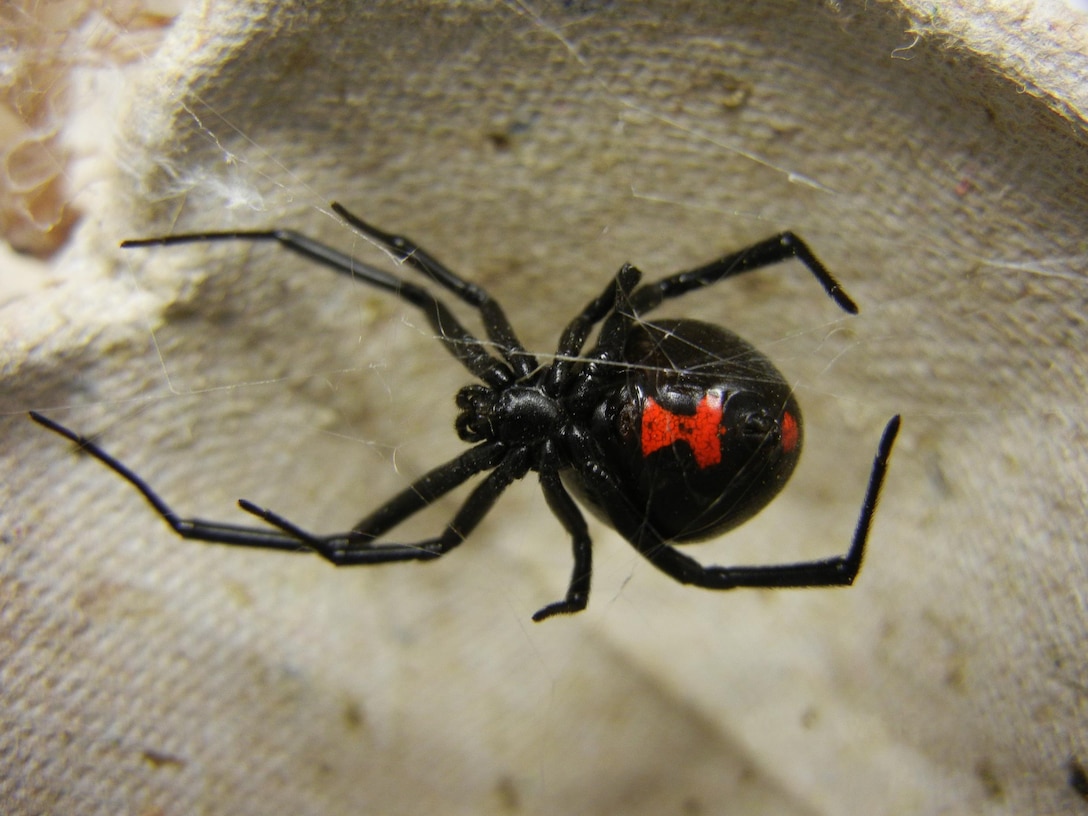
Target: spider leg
<point>564,509</point>
<point>334,547</point>
<point>199,529</point>
<point>427,489</point>
<point>457,339</point>
<point>577,331</point>
<point>355,548</point>
<point>612,339</point>
<point>420,494</point>
<point>773,250</point>
<point>498,327</point>
<point>836,571</point>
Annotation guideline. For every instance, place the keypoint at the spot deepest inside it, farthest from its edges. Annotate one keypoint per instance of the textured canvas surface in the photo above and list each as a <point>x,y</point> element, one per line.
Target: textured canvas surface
<point>536,148</point>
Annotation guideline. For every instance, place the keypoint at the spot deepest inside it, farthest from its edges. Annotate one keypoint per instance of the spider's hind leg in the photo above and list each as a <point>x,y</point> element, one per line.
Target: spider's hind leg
<point>841,570</point>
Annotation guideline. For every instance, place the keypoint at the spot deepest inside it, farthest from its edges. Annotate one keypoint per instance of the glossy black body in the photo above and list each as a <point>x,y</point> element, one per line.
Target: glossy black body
<point>678,363</point>
<point>623,425</point>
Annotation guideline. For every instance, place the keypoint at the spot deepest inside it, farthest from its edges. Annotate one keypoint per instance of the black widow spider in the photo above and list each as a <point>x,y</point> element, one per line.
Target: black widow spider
<point>673,431</point>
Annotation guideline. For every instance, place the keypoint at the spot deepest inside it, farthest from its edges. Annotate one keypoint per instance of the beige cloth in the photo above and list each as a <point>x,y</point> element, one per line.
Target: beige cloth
<point>535,148</point>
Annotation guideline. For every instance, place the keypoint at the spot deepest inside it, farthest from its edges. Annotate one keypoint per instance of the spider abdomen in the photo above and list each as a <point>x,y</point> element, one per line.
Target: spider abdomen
<point>699,428</point>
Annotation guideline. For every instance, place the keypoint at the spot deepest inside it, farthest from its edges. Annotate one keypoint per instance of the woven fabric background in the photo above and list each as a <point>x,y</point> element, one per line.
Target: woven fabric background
<point>935,161</point>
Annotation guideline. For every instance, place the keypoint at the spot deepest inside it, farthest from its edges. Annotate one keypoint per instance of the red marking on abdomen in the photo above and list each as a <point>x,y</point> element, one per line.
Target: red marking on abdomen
<point>790,432</point>
<point>662,428</point>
